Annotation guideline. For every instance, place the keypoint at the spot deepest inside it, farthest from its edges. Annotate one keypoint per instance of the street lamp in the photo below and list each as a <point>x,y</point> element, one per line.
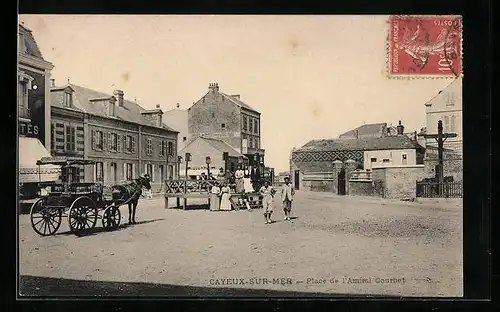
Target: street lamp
<point>179,161</point>
<point>208,161</point>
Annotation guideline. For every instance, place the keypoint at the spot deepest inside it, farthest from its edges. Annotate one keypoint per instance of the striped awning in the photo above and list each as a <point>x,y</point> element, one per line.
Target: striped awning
<point>30,151</point>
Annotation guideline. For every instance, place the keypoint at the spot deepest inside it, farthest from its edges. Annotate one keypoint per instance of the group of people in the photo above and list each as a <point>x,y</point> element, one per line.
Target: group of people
<point>220,199</point>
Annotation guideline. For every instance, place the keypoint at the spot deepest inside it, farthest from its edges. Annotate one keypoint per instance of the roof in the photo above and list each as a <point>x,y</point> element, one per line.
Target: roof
<point>366,129</point>
<point>130,111</point>
<point>64,161</point>
<point>222,146</point>
<point>449,86</point>
<point>363,144</point>
<point>238,102</point>
<point>30,42</point>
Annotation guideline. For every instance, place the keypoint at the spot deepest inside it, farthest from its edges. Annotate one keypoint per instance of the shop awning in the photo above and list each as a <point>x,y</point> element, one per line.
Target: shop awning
<point>30,151</point>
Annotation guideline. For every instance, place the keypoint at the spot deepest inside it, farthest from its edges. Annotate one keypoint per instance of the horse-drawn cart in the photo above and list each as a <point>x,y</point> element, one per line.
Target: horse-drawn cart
<point>79,202</point>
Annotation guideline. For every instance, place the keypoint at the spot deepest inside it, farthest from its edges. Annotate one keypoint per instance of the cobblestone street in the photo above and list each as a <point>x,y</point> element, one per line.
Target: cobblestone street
<point>333,245</point>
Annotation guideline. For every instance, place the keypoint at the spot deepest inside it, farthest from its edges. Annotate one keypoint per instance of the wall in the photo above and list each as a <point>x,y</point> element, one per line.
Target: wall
<point>252,137</point>
<point>177,119</point>
<point>361,188</point>
<point>207,115</point>
<point>199,150</point>
<point>395,157</point>
<point>397,182</point>
<point>452,164</point>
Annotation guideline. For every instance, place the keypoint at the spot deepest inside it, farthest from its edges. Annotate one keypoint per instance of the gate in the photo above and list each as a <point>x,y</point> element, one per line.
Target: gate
<point>439,190</point>
<point>341,182</point>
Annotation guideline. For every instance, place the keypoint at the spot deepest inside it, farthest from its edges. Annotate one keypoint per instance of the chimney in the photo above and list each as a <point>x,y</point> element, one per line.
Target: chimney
<point>159,116</point>
<point>177,106</point>
<point>119,96</point>
<point>400,128</point>
<point>236,96</point>
<point>213,87</point>
<point>357,133</point>
<point>52,82</point>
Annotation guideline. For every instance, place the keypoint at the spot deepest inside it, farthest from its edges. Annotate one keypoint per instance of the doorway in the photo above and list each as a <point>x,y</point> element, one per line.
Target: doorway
<point>341,182</point>
<point>296,179</point>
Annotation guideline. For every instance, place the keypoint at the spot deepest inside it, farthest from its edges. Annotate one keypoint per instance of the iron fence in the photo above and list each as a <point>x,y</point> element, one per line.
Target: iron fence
<point>439,190</point>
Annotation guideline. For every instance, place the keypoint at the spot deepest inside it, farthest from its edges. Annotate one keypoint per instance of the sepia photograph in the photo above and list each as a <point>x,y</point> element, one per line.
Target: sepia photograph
<point>240,155</point>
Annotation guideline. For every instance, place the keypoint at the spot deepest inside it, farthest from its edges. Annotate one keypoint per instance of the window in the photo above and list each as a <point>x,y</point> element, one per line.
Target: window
<point>385,161</point>
<point>163,147</point>
<point>99,172</point>
<point>449,99</point>
<point>213,115</point>
<point>22,98</point>
<point>113,172</point>
<point>223,126</point>
<point>446,126</point>
<point>373,159</point>
<point>256,126</point>
<point>68,99</point>
<point>245,123</point>
<point>149,147</point>
<point>453,124</point>
<point>128,172</point>
<point>170,171</point>
<point>128,144</point>
<point>98,143</point>
<point>149,171</point>
<point>113,142</point>
<point>404,160</point>
<point>184,139</point>
<point>250,125</point>
<point>52,137</point>
<point>256,143</point>
<point>251,143</point>
<point>170,148</point>
<point>70,139</point>
<point>162,173</point>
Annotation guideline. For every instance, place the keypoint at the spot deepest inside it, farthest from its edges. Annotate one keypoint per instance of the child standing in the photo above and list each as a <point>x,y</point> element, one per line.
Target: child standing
<point>287,193</point>
<point>267,193</point>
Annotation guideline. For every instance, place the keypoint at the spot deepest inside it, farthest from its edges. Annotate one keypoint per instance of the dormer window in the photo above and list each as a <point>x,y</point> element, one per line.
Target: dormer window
<point>223,126</point>
<point>68,99</point>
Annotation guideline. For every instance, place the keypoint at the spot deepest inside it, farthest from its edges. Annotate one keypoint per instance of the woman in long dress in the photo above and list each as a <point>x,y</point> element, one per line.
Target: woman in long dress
<point>225,204</point>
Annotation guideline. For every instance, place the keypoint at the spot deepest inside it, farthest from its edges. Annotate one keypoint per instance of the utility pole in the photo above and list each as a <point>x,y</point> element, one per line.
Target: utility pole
<point>440,137</point>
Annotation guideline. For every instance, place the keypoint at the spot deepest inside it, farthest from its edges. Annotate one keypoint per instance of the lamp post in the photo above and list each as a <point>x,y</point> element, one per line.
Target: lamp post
<point>208,161</point>
<point>179,161</point>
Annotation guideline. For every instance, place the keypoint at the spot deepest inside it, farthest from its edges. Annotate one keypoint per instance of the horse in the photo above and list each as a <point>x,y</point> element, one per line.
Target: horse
<point>130,193</point>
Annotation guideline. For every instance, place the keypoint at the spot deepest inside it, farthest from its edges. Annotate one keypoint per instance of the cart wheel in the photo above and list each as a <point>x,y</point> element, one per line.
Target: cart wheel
<point>82,216</point>
<point>111,218</point>
<point>45,220</point>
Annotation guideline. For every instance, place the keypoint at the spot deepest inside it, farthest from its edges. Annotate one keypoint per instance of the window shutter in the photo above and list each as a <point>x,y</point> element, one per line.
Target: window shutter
<point>93,139</point>
<point>145,169</point>
<point>104,141</point>
<point>124,172</point>
<point>118,143</point>
<point>109,141</point>
<point>133,171</point>
<point>95,172</point>
<point>152,173</point>
<point>161,148</point>
<point>133,144</point>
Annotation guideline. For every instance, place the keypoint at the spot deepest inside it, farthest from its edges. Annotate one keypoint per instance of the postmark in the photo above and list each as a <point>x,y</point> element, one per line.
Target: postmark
<point>425,47</point>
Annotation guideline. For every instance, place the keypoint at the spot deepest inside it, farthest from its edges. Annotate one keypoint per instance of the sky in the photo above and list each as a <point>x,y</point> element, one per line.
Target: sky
<point>310,76</point>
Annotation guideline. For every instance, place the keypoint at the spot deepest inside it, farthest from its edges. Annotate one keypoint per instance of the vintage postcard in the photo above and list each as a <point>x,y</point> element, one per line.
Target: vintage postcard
<point>220,155</point>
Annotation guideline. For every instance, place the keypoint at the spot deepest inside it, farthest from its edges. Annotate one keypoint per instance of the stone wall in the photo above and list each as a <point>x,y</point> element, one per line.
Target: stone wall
<point>452,164</point>
<point>397,182</point>
<point>361,188</point>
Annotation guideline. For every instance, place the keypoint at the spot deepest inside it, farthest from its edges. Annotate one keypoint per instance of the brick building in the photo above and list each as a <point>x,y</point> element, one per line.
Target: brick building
<point>122,137</point>
<point>227,118</point>
<point>326,165</point>
<point>33,98</point>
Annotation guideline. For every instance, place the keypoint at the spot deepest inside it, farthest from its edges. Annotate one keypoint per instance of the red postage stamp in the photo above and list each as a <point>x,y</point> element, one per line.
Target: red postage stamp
<point>425,46</point>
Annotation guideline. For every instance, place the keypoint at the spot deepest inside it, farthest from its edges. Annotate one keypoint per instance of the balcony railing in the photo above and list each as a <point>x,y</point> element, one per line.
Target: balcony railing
<point>24,112</point>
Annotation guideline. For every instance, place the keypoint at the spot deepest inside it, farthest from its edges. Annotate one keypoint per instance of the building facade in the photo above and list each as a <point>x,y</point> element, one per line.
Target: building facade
<point>33,103</point>
<point>123,138</point>
<point>326,165</point>
<point>227,118</point>
<point>178,120</point>
<point>447,107</point>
